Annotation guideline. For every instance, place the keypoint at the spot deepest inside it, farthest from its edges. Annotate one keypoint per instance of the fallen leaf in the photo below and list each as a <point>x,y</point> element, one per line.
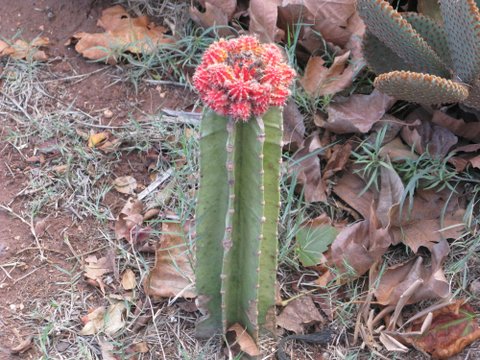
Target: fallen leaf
<point>109,321</point>
<point>424,222</point>
<point>122,32</point>
<point>95,269</point>
<point>237,335</point>
<point>24,346</point>
<point>125,184</point>
<point>263,16</point>
<point>96,139</point>
<point>298,313</point>
<point>107,349</point>
<point>338,160</point>
<point>319,80</point>
<point>453,328</point>
<point>293,125</point>
<point>397,279</point>
<point>397,151</point>
<point>217,13</point>
<point>307,169</point>
<point>141,347</point>
<point>129,281</point>
<point>313,241</point>
<point>357,113</point>
<point>348,188</point>
<point>459,127</point>
<point>426,136</point>
<point>22,49</point>
<point>359,246</point>
<point>129,223</point>
<point>172,274</point>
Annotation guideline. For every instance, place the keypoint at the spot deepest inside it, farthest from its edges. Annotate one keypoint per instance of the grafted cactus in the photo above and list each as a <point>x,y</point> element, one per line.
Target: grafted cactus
<point>420,60</point>
<point>245,84</point>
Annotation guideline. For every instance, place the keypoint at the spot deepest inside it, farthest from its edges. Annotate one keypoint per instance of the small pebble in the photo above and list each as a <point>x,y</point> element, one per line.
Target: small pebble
<point>108,113</point>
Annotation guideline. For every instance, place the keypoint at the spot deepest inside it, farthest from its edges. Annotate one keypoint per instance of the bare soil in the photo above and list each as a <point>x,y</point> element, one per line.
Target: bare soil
<point>31,277</point>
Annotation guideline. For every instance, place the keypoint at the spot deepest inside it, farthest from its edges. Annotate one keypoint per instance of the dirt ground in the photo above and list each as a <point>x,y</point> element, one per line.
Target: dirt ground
<point>38,257</point>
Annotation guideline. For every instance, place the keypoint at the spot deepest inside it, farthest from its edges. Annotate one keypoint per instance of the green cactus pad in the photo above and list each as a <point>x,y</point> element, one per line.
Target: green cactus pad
<point>394,31</point>
<point>473,99</point>
<point>380,59</point>
<point>420,88</point>
<point>462,25</point>
<point>432,33</point>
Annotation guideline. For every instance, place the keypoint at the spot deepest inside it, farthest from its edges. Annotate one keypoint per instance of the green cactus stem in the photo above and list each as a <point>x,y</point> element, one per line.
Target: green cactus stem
<point>238,205</point>
<point>237,212</point>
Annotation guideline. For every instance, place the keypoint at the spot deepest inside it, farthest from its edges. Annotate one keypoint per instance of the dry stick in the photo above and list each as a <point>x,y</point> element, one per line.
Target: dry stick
<point>30,225</point>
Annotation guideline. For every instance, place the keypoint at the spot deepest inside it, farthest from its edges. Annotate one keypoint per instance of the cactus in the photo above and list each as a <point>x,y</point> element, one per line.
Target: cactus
<point>245,83</point>
<point>419,60</point>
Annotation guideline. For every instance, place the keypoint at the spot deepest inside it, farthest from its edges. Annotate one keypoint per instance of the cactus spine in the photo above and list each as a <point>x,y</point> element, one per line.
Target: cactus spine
<point>239,198</point>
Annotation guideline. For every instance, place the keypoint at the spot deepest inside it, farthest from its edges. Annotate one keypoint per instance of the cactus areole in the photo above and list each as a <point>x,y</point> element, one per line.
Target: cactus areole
<point>244,83</point>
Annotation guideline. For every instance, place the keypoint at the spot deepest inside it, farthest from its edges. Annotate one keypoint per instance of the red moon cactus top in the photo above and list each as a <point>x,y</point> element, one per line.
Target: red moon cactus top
<point>242,77</point>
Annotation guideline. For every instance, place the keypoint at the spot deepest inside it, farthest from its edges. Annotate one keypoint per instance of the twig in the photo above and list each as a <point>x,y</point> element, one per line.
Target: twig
<point>150,188</point>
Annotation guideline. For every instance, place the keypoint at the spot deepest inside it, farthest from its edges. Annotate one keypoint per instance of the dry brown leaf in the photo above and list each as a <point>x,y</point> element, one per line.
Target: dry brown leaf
<point>459,127</point>
<point>23,346</point>
<point>427,136</point>
<point>129,281</point>
<point>242,339</point>
<point>320,80</point>
<point>359,246</point>
<point>299,313</point>
<point>172,274</point>
<point>95,269</point>
<point>348,188</point>
<point>338,160</point>
<point>217,13</point>
<point>426,221</point>
<point>308,170</point>
<point>397,151</point>
<point>391,191</point>
<point>125,184</point>
<point>453,328</point>
<point>357,113</point>
<point>129,221</point>
<point>397,279</point>
<point>122,31</point>
<point>109,321</point>
<point>21,49</point>
<point>263,19</point>
<point>293,125</point>
<point>107,349</point>
<point>141,347</point>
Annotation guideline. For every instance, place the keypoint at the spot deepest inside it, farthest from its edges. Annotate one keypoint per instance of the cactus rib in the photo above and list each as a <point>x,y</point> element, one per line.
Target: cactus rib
<point>211,210</point>
<point>269,246</point>
<point>241,263</point>
<point>421,88</point>
<point>389,26</point>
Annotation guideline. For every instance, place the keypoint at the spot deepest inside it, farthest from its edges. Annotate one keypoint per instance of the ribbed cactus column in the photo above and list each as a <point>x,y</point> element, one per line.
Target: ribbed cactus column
<point>244,83</point>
